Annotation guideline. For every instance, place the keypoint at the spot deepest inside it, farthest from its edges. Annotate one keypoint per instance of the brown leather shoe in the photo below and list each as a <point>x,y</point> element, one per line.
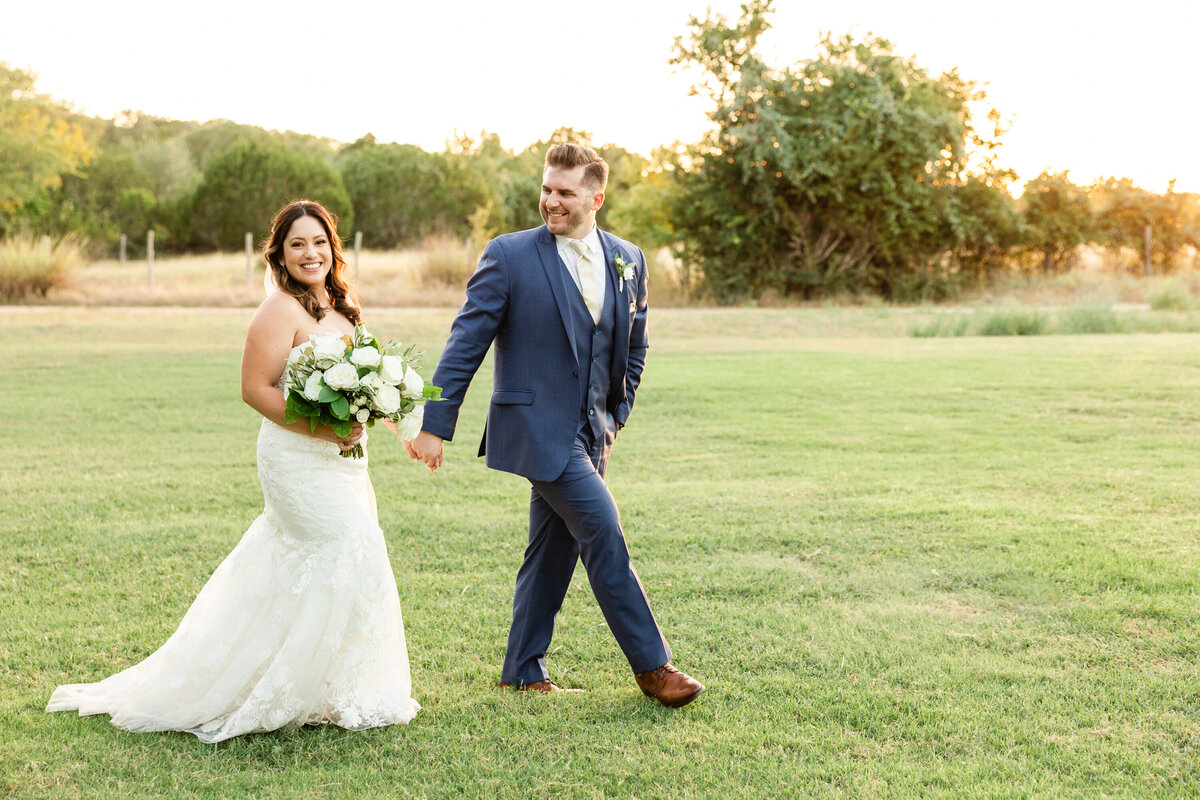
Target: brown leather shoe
<point>545,685</point>
<point>669,686</point>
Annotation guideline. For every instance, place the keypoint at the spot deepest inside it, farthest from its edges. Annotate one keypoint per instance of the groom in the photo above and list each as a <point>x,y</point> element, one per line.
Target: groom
<point>565,304</point>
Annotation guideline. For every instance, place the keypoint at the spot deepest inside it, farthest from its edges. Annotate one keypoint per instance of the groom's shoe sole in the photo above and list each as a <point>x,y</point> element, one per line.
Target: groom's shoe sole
<point>545,686</point>
<point>676,703</point>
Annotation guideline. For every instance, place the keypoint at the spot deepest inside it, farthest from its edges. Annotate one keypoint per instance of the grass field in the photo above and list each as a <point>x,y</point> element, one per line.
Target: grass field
<point>904,567</point>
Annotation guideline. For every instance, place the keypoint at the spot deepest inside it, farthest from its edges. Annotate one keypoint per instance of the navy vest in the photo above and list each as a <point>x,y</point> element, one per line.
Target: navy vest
<point>595,346</point>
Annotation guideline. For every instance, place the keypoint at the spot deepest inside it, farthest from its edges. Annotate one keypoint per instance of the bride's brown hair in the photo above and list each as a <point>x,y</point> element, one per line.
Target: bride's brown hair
<point>337,281</point>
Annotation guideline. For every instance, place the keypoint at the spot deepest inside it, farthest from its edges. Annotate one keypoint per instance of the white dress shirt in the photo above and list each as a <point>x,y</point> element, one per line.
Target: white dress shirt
<point>571,258</point>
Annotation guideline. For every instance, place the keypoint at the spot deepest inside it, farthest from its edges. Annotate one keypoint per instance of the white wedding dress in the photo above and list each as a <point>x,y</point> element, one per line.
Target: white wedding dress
<point>300,624</point>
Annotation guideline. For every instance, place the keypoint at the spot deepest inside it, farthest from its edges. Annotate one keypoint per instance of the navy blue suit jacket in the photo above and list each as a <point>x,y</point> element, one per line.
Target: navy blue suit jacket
<point>518,299</point>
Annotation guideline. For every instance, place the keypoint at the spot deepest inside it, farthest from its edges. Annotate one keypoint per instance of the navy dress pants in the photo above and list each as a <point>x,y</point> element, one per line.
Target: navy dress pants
<point>570,518</point>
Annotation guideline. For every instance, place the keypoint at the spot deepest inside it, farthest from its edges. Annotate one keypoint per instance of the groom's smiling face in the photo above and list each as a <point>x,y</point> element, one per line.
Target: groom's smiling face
<point>568,206</point>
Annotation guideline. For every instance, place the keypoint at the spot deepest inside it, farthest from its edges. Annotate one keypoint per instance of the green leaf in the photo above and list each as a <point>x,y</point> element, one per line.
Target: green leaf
<point>432,392</point>
<point>297,408</point>
<point>340,408</point>
<point>342,428</point>
<point>327,395</point>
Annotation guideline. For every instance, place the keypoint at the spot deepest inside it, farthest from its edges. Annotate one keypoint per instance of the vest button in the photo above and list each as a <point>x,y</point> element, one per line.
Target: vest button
<point>591,412</point>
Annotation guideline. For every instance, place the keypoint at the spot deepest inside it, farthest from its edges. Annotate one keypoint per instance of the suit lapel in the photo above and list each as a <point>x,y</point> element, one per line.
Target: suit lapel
<point>548,254</point>
<point>621,300</point>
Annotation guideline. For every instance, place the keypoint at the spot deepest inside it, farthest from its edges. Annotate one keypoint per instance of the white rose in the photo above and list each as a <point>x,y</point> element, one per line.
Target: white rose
<point>365,357</point>
<point>391,369</point>
<point>363,415</point>
<point>371,381</point>
<point>312,387</point>
<point>341,377</point>
<point>413,384</point>
<point>328,350</point>
<point>387,399</point>
<point>410,425</point>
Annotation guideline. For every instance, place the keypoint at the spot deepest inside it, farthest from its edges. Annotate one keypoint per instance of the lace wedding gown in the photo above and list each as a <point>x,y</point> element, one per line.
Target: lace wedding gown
<point>300,623</point>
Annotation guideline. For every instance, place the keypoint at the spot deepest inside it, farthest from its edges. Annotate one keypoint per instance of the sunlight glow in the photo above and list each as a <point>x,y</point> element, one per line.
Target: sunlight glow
<point>1093,93</point>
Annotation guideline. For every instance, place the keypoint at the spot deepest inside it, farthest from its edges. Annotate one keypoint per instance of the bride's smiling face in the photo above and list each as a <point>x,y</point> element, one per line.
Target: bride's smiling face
<point>307,253</point>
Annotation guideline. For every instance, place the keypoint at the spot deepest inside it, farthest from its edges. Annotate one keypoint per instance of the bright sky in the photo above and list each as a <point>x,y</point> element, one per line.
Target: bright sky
<point>1097,91</point>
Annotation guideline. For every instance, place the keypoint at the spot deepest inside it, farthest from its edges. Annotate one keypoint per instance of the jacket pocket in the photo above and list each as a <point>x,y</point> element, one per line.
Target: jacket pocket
<point>512,397</point>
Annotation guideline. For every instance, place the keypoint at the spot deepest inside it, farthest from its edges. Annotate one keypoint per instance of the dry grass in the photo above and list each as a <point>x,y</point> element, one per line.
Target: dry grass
<point>435,275</point>
<point>385,278</point>
<point>444,263</point>
<point>1099,279</point>
<point>430,276</point>
<point>32,267</point>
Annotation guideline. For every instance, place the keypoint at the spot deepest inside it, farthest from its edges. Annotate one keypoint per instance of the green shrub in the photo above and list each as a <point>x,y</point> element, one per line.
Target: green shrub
<point>242,188</point>
<point>1091,319</point>
<point>1170,295</point>
<point>1015,322</point>
<point>944,325</point>
<point>31,266</point>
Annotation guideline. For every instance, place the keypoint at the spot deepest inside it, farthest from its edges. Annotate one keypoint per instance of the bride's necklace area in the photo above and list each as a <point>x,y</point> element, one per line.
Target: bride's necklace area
<point>323,303</point>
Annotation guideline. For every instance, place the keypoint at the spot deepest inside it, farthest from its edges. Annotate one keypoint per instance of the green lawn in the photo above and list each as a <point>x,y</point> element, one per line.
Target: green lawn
<point>904,567</point>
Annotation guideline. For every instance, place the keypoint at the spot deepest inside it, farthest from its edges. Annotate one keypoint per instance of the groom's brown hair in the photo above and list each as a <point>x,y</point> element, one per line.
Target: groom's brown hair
<point>569,156</point>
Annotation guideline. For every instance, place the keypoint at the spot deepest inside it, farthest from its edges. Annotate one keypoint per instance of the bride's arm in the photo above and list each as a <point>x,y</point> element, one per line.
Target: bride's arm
<point>268,342</point>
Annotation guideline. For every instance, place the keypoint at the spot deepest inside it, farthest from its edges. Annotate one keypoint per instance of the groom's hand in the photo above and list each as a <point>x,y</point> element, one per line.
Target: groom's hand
<point>426,447</point>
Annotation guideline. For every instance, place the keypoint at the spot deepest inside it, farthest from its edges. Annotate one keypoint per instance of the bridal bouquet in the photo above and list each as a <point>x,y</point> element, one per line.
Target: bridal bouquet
<point>337,380</point>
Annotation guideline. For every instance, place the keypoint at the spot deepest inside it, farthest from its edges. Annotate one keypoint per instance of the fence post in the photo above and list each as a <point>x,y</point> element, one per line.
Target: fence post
<point>1147,249</point>
<point>150,258</point>
<point>357,247</point>
<point>249,256</point>
<point>121,257</point>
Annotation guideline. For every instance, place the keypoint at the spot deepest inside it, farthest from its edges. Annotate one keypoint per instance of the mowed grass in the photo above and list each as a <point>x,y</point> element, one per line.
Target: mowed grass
<point>903,567</point>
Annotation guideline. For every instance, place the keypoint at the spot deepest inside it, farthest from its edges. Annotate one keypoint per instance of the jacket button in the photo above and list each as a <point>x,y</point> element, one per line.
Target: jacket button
<point>591,412</point>
<point>575,372</point>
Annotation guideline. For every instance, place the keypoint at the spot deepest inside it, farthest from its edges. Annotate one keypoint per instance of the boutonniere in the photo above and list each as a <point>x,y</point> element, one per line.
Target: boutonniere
<point>624,271</point>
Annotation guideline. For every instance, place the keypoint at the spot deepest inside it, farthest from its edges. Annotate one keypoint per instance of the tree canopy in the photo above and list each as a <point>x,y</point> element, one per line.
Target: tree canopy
<point>40,142</point>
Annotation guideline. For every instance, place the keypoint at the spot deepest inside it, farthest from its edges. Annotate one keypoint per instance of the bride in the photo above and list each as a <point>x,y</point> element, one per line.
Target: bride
<point>301,623</point>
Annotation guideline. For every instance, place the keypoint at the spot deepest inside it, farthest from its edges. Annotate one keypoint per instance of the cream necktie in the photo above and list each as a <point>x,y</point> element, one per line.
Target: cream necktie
<point>585,269</point>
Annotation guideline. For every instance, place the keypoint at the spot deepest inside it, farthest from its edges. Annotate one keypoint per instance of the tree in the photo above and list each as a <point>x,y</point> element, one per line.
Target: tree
<point>1058,218</point>
<point>110,197</point>
<point>39,142</point>
<point>242,189</point>
<point>826,176</point>
<point>402,194</point>
<point>1125,209</point>
<point>983,229</point>
<point>643,213</point>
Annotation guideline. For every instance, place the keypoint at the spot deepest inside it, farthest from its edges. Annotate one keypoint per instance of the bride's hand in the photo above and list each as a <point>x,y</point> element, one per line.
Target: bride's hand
<point>343,442</point>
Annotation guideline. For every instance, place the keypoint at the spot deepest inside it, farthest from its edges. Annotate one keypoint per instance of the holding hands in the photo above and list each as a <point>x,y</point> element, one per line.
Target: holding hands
<point>427,448</point>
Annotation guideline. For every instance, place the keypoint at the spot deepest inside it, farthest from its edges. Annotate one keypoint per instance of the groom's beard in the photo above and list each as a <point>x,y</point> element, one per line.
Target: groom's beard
<point>575,224</point>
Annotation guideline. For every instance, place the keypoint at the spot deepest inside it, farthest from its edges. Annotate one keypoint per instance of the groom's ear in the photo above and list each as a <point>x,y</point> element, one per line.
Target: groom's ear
<point>597,201</point>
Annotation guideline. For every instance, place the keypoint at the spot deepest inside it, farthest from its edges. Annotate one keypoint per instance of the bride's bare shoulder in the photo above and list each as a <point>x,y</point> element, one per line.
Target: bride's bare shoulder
<point>279,305</point>
<point>279,312</point>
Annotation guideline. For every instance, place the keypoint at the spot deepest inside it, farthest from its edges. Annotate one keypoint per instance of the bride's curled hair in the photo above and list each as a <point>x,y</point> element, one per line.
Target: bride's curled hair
<point>337,281</point>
